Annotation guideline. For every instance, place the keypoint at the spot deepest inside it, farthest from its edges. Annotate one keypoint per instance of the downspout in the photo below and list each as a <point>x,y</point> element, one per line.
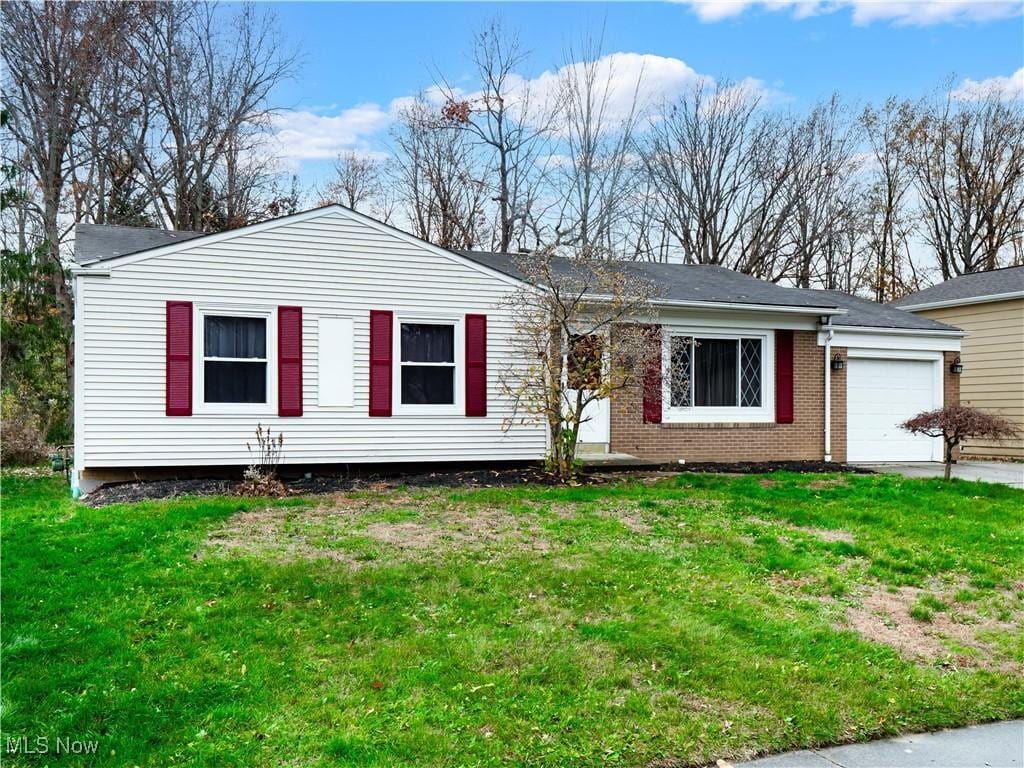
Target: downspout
<point>828,388</point>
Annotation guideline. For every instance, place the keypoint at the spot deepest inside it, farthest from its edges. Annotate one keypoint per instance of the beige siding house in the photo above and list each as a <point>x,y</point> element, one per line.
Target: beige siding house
<point>989,306</point>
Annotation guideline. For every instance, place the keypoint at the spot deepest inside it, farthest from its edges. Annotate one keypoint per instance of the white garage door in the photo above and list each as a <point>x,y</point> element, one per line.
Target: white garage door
<point>880,395</point>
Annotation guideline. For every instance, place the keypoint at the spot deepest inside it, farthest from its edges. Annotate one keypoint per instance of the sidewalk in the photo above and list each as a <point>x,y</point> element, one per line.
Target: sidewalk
<point>995,745</point>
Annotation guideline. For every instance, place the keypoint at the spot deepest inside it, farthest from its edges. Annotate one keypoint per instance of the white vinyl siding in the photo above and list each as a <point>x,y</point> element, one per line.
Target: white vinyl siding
<point>334,266</point>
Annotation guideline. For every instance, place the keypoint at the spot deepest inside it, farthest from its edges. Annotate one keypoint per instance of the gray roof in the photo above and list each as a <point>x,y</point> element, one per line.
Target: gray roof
<point>864,313</point>
<point>679,282</point>
<point>981,286</point>
<point>96,242</point>
<point>688,282</point>
<point>693,282</point>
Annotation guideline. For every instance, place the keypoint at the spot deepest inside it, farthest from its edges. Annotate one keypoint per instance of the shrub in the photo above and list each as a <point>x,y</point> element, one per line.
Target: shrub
<point>22,441</point>
<point>954,423</point>
<point>260,477</point>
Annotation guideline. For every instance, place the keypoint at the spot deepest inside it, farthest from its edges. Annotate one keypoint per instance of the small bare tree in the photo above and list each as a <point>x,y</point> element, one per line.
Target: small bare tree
<point>955,423</point>
<point>580,335</point>
<point>356,180</point>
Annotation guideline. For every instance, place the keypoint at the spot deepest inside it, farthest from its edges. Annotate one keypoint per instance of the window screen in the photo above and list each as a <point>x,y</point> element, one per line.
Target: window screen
<point>235,359</point>
<point>427,364</point>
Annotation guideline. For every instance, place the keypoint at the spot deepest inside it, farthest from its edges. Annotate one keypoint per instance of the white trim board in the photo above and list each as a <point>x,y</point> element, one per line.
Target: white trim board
<point>936,341</point>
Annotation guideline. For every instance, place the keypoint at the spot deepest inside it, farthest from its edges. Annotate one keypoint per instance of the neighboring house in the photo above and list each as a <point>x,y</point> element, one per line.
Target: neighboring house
<point>989,306</point>
<point>363,344</point>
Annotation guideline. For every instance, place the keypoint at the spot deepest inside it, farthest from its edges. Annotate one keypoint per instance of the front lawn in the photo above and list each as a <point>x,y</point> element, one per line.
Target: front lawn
<point>655,623</point>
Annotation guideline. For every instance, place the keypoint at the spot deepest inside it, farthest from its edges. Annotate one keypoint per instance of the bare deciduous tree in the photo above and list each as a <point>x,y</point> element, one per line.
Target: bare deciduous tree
<point>579,337</point>
<point>54,53</point>
<point>356,180</point>
<point>436,179</point>
<point>722,167</point>
<point>889,218</point>
<point>968,162</point>
<point>508,124</point>
<point>819,228</point>
<point>208,78</point>
<point>594,173</point>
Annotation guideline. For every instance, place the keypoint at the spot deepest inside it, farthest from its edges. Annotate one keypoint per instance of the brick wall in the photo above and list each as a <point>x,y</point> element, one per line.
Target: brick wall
<point>801,440</point>
<point>950,387</point>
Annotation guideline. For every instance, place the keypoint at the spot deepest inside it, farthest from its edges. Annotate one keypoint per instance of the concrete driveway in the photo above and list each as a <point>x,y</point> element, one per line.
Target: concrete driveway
<point>998,745</point>
<point>1005,472</point>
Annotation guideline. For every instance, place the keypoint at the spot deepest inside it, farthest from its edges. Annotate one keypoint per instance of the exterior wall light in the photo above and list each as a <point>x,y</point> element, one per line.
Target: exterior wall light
<point>956,366</point>
<point>837,362</point>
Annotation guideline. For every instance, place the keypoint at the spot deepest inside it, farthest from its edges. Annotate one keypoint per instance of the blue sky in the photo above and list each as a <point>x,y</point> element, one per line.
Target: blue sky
<point>360,57</point>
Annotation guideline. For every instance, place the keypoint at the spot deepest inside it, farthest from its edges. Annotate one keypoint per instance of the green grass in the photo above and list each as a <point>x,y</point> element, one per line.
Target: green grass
<point>695,618</point>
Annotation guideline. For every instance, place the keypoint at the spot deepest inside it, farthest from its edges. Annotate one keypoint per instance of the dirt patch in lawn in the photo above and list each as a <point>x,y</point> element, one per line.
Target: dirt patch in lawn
<point>268,531</point>
<point>827,534</point>
<point>350,530</point>
<point>459,527</point>
<point>955,637</point>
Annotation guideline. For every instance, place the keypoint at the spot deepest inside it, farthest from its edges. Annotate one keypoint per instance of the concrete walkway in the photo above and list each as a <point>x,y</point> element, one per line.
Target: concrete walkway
<point>1005,472</point>
<point>996,745</point>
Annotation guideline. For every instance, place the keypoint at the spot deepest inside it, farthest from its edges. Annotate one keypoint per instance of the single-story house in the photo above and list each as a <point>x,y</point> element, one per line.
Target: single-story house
<point>363,344</point>
<point>989,306</point>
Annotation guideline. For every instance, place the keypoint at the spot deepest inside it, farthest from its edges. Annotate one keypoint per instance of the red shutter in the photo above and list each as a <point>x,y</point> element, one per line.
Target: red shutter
<point>784,377</point>
<point>381,329</point>
<point>179,358</point>
<point>289,361</point>
<point>652,378</point>
<point>476,365</point>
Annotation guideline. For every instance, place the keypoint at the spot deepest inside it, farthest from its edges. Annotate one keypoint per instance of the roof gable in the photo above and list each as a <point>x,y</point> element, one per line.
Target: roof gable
<point>109,246</point>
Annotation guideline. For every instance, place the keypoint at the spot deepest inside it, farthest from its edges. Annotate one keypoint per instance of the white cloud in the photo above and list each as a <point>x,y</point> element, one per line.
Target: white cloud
<point>305,135</point>
<point>1008,88</point>
<point>910,12</point>
<point>645,78</point>
<point>314,134</point>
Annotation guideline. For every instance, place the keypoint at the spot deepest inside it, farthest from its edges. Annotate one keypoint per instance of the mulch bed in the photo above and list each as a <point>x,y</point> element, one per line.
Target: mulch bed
<point>131,492</point>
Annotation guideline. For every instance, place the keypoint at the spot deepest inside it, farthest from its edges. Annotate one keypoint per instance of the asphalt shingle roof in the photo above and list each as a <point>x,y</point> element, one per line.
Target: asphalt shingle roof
<point>864,313</point>
<point>976,285</point>
<point>97,242</point>
<point>687,282</point>
<point>691,282</point>
<point>679,282</point>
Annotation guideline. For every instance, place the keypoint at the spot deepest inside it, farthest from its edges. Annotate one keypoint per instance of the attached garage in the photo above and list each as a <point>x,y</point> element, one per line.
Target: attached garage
<point>883,392</point>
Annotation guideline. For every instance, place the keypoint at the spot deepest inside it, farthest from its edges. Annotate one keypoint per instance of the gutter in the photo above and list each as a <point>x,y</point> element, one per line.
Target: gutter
<point>77,270</point>
<point>960,302</point>
<point>939,332</point>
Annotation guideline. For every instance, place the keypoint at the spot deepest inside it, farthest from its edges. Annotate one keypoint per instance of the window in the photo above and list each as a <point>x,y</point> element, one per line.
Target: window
<point>716,372</point>
<point>427,359</point>
<point>234,359</point>
<point>584,362</point>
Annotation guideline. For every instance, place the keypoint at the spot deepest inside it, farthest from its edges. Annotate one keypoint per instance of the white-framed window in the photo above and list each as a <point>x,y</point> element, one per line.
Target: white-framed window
<point>233,359</point>
<point>711,377</point>
<point>429,355</point>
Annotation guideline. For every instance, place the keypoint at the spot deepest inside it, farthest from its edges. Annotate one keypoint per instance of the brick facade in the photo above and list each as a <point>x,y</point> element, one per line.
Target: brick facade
<point>950,387</point>
<point>802,440</point>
